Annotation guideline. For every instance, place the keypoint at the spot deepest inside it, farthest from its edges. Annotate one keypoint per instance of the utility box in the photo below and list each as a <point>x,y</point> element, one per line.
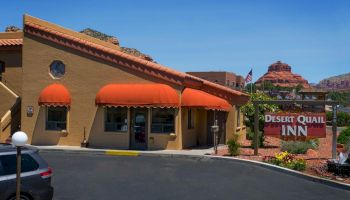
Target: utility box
<point>214,128</point>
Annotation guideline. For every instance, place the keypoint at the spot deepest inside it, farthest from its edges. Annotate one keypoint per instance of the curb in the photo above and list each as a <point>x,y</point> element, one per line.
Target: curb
<point>308,177</point>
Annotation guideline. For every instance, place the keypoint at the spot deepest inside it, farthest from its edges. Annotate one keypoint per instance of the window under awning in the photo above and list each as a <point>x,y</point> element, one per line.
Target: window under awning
<point>200,99</point>
<point>55,95</point>
<point>138,95</point>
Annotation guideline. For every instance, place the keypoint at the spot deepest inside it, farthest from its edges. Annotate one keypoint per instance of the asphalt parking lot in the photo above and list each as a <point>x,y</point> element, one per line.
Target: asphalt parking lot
<point>89,176</point>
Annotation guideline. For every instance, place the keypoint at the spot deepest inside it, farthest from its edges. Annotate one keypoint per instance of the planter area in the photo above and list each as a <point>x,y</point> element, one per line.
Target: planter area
<point>316,159</point>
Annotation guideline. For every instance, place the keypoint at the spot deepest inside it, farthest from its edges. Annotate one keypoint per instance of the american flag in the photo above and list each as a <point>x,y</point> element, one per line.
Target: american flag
<point>249,76</point>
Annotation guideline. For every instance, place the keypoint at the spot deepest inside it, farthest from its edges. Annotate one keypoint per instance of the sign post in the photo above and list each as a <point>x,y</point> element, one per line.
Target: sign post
<point>215,130</point>
<point>256,128</point>
<point>334,132</point>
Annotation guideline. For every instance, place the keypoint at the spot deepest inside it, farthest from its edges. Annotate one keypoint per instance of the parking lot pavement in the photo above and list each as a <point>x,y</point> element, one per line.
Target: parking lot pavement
<point>91,176</point>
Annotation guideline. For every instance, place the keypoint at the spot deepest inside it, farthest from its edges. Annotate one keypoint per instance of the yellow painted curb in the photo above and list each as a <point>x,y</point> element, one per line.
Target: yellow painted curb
<point>121,153</point>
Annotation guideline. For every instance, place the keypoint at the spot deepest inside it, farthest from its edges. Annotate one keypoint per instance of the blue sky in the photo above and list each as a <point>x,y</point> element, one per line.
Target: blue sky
<point>201,35</point>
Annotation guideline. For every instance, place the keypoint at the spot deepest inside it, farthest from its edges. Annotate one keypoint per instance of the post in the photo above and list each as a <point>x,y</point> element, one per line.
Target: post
<point>18,174</point>
<point>256,128</point>
<point>251,87</point>
<point>334,131</point>
<point>216,138</point>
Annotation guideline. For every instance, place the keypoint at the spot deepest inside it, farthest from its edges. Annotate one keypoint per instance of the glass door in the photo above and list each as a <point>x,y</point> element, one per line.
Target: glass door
<point>139,128</point>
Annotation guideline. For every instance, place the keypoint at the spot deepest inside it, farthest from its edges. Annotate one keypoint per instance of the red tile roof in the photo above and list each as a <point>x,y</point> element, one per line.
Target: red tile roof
<point>74,40</point>
<point>11,42</point>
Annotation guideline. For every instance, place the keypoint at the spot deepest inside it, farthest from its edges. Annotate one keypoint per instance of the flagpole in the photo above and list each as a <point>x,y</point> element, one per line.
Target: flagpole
<point>251,84</point>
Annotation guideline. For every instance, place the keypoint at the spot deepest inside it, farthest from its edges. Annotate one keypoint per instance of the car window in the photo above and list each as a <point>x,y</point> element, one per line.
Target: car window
<point>8,163</point>
<point>2,173</point>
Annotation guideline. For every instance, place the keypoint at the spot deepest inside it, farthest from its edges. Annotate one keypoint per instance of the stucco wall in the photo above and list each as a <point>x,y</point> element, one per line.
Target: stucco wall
<point>12,77</point>
<point>232,127</point>
<point>198,134</point>
<point>166,141</point>
<point>99,138</point>
<point>84,78</point>
<point>7,100</point>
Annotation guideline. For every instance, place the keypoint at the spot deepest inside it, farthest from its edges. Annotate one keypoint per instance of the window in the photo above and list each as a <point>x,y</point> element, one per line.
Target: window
<point>56,118</point>
<point>190,119</point>
<point>238,116</point>
<point>116,119</point>
<point>2,69</point>
<point>162,120</point>
<point>2,66</point>
<point>57,69</point>
<point>8,163</point>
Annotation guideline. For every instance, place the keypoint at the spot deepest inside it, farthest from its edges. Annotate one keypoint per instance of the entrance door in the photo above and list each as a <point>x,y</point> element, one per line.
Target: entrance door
<point>221,117</point>
<point>139,128</point>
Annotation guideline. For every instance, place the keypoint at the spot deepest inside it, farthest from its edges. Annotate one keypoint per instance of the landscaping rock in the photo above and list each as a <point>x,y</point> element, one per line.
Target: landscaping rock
<point>311,153</point>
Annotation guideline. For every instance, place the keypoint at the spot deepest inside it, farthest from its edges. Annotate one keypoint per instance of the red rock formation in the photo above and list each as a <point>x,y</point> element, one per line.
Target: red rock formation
<point>280,74</point>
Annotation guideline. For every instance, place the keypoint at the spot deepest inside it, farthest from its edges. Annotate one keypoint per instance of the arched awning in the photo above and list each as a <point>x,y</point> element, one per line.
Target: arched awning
<point>135,95</point>
<point>55,95</point>
<point>201,99</point>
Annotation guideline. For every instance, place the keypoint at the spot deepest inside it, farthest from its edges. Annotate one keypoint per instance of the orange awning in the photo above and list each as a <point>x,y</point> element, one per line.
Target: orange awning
<point>201,99</point>
<point>154,95</point>
<point>56,95</point>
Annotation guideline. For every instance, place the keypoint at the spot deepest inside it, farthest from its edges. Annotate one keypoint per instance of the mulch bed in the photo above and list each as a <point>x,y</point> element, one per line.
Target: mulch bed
<point>316,159</point>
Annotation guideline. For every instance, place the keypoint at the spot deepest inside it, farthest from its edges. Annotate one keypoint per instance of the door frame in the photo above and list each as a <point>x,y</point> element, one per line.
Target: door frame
<point>132,143</point>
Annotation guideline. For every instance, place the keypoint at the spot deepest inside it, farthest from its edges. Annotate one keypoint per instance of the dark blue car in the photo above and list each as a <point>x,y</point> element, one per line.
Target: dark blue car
<point>35,175</point>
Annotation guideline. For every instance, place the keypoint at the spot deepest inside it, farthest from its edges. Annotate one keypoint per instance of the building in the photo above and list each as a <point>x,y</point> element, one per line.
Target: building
<point>227,79</point>
<point>62,87</point>
<point>280,74</point>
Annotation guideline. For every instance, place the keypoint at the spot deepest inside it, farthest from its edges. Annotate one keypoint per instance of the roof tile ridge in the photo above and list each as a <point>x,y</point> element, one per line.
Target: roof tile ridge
<point>152,65</point>
<point>101,47</point>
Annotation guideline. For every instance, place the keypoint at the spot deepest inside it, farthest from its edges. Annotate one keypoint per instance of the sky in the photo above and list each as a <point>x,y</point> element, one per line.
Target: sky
<point>312,36</point>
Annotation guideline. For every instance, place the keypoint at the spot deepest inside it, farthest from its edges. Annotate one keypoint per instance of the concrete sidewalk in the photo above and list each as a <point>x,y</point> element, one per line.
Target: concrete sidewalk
<point>189,152</point>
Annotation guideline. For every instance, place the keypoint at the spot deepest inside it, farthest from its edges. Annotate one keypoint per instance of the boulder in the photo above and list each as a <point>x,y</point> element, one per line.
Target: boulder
<point>311,153</point>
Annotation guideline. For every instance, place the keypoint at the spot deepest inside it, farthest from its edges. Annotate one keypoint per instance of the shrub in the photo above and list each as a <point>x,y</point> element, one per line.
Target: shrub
<point>299,164</point>
<point>233,146</point>
<point>250,136</point>
<point>287,160</point>
<point>299,147</point>
<point>329,117</point>
<point>343,118</point>
<point>344,136</point>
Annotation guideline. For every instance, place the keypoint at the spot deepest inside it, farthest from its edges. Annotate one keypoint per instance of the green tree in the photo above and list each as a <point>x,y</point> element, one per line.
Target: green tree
<point>250,87</point>
<point>299,87</point>
<point>342,98</point>
<point>249,110</point>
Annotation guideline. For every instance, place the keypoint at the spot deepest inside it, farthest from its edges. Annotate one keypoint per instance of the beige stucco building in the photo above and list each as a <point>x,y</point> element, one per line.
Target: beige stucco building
<point>62,87</point>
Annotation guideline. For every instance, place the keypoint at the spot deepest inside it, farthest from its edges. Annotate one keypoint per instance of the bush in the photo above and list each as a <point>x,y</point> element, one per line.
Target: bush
<point>299,147</point>
<point>285,159</point>
<point>233,146</point>
<point>343,118</point>
<point>329,118</point>
<point>250,136</point>
<point>344,136</point>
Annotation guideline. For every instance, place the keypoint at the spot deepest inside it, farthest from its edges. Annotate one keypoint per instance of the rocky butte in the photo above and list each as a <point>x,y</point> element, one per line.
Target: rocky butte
<point>280,74</point>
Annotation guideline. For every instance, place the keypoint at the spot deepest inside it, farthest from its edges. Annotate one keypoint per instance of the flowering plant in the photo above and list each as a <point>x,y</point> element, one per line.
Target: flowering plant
<point>285,159</point>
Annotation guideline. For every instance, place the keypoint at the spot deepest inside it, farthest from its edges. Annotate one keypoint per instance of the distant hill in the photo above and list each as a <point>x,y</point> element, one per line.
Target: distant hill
<point>115,41</point>
<point>338,83</point>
